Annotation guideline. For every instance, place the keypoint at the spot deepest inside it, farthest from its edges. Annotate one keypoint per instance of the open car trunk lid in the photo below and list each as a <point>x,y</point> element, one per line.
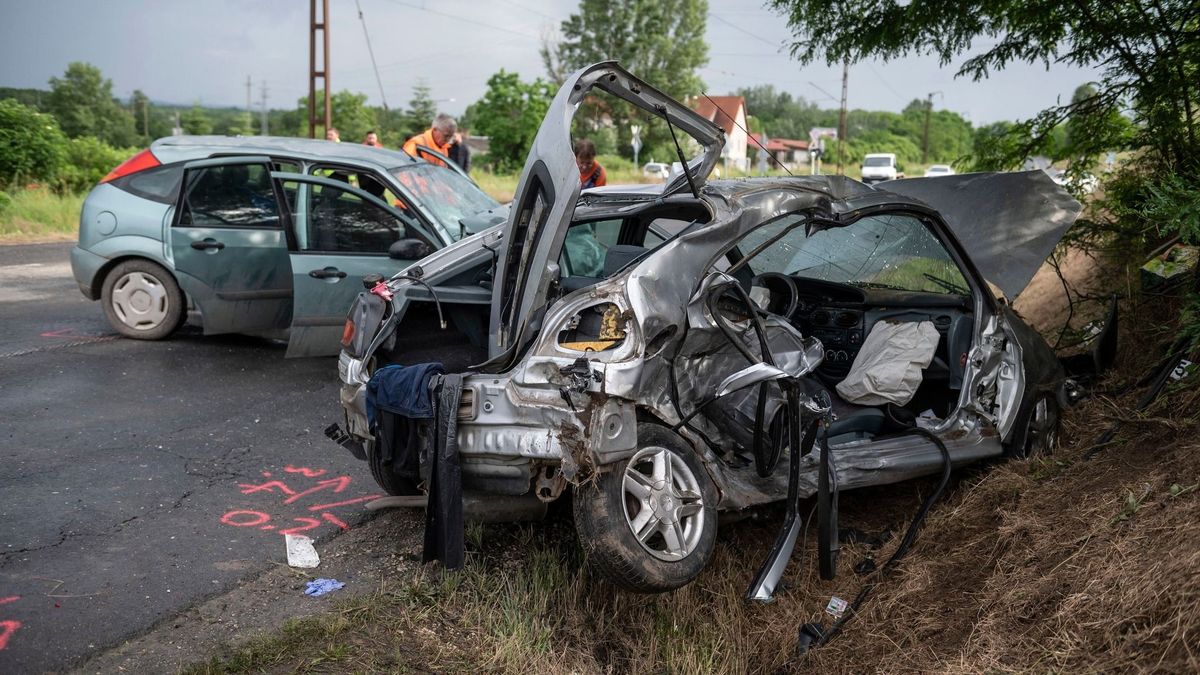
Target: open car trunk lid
<point>549,188</point>
<point>1007,222</point>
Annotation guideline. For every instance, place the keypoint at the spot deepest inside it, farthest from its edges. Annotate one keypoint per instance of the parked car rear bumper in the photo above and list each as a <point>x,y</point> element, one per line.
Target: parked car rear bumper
<point>85,265</point>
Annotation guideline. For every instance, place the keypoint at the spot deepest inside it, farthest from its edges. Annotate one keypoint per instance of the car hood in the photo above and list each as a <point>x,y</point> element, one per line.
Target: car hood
<point>549,187</point>
<point>1008,223</point>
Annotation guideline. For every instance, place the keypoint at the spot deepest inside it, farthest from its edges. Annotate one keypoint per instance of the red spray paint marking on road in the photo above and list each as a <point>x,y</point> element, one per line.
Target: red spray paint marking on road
<point>338,484</point>
<point>269,486</point>
<point>235,519</point>
<point>304,471</point>
<point>335,520</point>
<point>11,598</point>
<point>7,628</point>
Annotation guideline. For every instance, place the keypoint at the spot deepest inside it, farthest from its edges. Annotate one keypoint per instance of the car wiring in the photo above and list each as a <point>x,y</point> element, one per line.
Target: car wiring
<point>811,635</point>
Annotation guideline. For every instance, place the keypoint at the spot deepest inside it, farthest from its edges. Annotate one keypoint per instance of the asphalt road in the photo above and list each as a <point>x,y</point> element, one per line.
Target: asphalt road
<point>137,478</point>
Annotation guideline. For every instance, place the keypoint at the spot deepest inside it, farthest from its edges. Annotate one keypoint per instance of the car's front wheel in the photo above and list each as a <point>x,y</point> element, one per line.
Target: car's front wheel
<point>1039,437</point>
<point>649,523</point>
<point>142,300</point>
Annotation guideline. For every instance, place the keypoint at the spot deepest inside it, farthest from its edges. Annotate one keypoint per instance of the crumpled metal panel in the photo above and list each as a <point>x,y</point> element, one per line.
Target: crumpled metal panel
<point>1007,222</point>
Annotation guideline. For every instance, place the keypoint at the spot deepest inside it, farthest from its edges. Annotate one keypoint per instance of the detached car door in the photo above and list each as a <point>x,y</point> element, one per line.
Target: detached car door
<point>342,234</point>
<point>229,246</point>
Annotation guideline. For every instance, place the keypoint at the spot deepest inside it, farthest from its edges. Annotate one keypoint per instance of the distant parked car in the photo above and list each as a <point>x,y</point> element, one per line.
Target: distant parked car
<point>939,170</point>
<point>656,170</point>
<point>263,234</point>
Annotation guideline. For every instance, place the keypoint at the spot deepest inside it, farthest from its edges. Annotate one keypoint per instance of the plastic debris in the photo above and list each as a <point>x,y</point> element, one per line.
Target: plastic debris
<point>836,607</point>
<point>300,551</point>
<point>318,587</point>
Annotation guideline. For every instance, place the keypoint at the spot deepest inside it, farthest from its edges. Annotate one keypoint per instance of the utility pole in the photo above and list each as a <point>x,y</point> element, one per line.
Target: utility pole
<point>249,108</point>
<point>842,115</point>
<point>323,73</point>
<point>925,135</point>
<point>264,109</point>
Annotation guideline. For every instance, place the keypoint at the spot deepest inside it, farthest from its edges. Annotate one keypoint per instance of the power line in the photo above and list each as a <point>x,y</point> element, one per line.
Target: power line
<point>464,19</point>
<point>898,95</point>
<point>371,52</point>
<point>738,28</point>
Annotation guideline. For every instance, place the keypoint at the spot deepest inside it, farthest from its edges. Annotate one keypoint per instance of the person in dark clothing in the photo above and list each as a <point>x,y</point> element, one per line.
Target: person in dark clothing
<point>459,153</point>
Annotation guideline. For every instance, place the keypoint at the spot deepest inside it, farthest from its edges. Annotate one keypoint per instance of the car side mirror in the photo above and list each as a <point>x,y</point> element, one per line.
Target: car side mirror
<point>409,249</point>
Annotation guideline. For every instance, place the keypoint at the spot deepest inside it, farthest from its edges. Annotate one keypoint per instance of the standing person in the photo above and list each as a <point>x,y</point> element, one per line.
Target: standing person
<point>591,174</point>
<point>459,153</point>
<point>331,134</point>
<point>372,139</point>
<point>437,137</point>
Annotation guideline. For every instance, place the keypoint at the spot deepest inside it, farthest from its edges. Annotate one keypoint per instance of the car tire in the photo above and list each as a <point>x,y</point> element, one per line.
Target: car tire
<point>142,301</point>
<point>392,483</point>
<point>1038,435</point>
<point>662,491</point>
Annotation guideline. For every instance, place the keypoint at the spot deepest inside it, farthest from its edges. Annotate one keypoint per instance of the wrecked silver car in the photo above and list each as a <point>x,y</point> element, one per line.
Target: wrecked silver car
<point>668,353</point>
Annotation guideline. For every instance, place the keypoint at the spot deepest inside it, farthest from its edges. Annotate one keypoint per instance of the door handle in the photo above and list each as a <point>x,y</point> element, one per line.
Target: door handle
<point>207,244</point>
<point>327,273</point>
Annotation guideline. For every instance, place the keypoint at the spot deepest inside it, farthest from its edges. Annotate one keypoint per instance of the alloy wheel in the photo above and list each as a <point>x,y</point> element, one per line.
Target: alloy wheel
<point>663,503</point>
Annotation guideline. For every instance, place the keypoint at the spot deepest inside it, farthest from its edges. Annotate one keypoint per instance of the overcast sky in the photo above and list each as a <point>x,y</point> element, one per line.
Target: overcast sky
<point>182,52</point>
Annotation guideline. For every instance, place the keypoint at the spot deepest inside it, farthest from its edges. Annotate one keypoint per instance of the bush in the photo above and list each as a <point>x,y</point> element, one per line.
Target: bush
<point>87,161</point>
<point>31,145</point>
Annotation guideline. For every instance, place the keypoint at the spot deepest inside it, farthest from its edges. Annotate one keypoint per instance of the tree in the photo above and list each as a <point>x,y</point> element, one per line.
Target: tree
<point>139,107</point>
<point>83,104</point>
<point>510,113</point>
<point>421,110</point>
<point>661,41</point>
<point>196,121</point>
<point>1149,52</point>
<point>31,145</point>
<point>351,116</point>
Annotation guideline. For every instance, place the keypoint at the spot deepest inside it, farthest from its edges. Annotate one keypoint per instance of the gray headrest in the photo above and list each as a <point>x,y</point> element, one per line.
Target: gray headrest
<point>619,256</point>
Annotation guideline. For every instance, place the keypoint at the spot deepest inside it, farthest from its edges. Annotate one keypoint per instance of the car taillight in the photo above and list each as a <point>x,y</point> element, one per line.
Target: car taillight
<point>348,333</point>
<point>139,162</point>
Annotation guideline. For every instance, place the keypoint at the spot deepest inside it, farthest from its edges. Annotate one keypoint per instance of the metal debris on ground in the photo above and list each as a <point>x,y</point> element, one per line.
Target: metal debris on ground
<point>300,551</point>
<point>318,587</point>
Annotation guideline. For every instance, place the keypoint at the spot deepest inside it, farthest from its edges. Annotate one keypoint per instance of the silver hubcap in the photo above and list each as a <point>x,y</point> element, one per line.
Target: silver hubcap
<point>663,504</point>
<point>140,301</point>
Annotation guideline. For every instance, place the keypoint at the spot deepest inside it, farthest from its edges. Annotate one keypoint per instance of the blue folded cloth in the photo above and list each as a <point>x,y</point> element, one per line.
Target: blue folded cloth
<point>318,587</point>
<point>403,390</point>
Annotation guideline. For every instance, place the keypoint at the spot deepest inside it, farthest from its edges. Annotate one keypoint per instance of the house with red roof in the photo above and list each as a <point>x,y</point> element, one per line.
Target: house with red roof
<point>729,113</point>
<point>790,152</point>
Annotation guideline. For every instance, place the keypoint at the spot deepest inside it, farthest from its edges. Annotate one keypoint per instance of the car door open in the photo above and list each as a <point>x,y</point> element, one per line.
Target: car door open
<point>229,247</point>
<point>341,234</point>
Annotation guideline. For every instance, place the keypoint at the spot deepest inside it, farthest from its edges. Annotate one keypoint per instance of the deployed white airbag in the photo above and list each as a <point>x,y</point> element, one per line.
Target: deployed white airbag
<point>888,367</point>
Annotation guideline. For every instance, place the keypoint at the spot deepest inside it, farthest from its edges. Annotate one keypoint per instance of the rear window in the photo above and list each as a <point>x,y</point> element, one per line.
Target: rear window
<point>160,184</point>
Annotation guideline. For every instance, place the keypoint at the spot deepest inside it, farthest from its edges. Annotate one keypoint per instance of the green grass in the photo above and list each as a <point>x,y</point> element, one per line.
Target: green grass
<point>33,214</point>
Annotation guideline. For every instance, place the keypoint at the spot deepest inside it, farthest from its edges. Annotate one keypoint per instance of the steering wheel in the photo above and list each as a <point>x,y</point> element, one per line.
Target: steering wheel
<point>785,298</point>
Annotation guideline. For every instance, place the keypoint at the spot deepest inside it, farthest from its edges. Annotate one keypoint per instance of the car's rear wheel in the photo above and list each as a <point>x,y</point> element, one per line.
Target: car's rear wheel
<point>649,523</point>
<point>391,482</point>
<point>142,300</point>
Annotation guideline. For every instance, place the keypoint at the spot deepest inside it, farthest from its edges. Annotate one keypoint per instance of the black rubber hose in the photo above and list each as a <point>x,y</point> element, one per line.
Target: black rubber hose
<point>437,303</point>
<point>906,543</point>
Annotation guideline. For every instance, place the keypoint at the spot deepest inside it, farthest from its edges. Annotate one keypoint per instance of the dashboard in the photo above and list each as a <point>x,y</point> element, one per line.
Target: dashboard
<point>841,315</point>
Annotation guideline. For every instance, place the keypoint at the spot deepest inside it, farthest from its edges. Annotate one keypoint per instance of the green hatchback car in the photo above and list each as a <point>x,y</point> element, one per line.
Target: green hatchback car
<point>262,235</point>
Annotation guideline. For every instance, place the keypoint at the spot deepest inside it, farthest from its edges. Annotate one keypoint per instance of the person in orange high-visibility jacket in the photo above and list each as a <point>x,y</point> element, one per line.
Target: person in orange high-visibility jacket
<point>437,137</point>
<point>591,174</point>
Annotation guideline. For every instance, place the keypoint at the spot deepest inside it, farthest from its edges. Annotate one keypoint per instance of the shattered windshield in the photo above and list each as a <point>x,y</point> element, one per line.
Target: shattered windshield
<point>446,193</point>
<point>884,251</point>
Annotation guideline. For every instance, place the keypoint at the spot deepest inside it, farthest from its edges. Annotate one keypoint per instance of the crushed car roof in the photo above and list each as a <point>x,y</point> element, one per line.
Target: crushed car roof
<point>177,148</point>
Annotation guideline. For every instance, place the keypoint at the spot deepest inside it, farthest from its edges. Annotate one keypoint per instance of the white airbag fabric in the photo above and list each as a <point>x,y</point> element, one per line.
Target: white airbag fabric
<point>888,367</point>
